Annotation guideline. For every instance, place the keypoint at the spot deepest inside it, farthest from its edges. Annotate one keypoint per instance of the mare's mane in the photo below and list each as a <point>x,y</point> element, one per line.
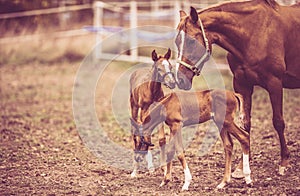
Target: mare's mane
<point>232,6</point>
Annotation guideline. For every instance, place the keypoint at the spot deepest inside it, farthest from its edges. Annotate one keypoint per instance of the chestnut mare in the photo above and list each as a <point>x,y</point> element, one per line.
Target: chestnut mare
<point>145,89</point>
<point>263,41</point>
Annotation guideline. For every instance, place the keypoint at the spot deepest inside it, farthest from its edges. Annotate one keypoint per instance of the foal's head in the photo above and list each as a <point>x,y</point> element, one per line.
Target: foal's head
<point>163,69</point>
<point>193,49</point>
<point>141,139</point>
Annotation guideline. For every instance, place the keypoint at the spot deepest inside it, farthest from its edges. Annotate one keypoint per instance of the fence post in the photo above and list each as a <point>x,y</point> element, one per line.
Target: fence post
<point>177,8</point>
<point>133,31</point>
<point>98,17</point>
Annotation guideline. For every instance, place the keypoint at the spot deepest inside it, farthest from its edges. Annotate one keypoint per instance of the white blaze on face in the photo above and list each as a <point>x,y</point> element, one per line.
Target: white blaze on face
<point>182,35</point>
<point>166,65</point>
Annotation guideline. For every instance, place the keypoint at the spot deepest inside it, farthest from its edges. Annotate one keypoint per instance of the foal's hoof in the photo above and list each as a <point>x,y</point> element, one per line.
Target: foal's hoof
<point>151,170</point>
<point>222,185</point>
<point>133,175</point>
<point>238,174</point>
<point>185,187</point>
<point>282,170</point>
<point>164,182</point>
<point>250,185</point>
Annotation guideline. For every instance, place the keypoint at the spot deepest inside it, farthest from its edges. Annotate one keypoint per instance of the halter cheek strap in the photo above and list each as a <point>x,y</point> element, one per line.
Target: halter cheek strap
<point>199,64</point>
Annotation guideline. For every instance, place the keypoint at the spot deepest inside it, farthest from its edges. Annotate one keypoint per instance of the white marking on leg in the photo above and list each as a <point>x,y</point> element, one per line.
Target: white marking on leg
<point>246,168</point>
<point>187,178</point>
<point>133,173</point>
<point>282,170</point>
<point>149,161</point>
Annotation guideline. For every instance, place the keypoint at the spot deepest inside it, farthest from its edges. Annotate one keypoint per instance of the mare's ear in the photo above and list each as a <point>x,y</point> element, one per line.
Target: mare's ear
<point>134,123</point>
<point>182,13</point>
<point>154,56</point>
<point>194,15</point>
<point>168,54</point>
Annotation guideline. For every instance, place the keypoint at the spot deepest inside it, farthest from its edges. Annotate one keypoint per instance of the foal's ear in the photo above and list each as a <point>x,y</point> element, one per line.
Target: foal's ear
<point>168,54</point>
<point>154,56</point>
<point>182,13</point>
<point>194,14</point>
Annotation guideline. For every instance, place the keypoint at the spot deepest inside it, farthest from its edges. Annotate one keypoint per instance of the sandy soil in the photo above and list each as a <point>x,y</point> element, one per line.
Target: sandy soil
<point>43,154</point>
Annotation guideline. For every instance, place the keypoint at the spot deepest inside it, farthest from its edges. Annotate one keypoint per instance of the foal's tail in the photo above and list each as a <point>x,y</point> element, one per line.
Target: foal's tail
<point>241,110</point>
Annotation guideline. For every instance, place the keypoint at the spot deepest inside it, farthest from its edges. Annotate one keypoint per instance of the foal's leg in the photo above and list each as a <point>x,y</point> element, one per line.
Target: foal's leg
<point>228,146</point>
<point>170,149</point>
<point>148,156</point>
<point>181,157</point>
<point>162,145</point>
<point>134,115</point>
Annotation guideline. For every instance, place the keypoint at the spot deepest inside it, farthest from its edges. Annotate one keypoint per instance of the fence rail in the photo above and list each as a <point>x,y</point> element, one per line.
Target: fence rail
<point>45,11</point>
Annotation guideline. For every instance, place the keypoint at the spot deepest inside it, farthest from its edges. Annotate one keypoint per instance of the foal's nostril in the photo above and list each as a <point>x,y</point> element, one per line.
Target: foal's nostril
<point>180,81</point>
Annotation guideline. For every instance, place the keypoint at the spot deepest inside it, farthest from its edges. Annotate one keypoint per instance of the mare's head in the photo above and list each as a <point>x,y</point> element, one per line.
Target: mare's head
<point>193,49</point>
<point>163,69</point>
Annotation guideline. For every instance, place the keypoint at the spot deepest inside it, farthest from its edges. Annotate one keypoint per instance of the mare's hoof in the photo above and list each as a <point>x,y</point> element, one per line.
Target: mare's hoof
<point>238,174</point>
<point>282,170</point>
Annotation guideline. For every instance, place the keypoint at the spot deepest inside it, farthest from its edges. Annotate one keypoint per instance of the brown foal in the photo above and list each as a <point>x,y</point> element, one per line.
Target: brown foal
<point>145,89</point>
<point>186,108</point>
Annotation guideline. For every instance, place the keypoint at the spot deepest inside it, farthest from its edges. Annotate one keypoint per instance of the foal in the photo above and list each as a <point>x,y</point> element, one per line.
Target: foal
<point>186,108</point>
<point>145,89</point>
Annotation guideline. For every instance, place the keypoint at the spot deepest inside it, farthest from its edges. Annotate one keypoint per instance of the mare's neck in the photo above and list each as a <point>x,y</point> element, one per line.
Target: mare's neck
<point>229,29</point>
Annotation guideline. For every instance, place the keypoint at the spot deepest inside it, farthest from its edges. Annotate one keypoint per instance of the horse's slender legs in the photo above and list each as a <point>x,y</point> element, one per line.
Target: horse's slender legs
<point>170,152</point>
<point>244,139</point>
<point>276,96</point>
<point>181,157</point>
<point>162,145</point>
<point>246,92</point>
<point>228,146</point>
<point>134,114</point>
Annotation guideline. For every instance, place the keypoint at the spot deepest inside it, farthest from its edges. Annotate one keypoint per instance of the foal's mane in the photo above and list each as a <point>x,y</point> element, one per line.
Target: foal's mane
<point>231,6</point>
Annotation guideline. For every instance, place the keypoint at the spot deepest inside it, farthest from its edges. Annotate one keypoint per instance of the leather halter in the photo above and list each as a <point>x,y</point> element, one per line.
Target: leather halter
<point>199,64</point>
<point>142,142</point>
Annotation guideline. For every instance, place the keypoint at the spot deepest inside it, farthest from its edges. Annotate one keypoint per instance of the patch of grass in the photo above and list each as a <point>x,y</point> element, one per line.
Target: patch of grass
<point>46,50</point>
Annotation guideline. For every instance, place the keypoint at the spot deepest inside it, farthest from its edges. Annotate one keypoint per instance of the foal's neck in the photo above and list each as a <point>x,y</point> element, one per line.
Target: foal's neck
<point>154,85</point>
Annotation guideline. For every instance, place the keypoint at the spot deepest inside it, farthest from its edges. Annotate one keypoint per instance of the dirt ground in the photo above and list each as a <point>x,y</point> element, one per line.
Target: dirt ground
<point>43,154</point>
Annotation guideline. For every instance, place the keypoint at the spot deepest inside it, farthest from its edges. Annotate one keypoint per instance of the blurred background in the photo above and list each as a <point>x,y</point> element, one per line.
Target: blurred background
<point>49,31</point>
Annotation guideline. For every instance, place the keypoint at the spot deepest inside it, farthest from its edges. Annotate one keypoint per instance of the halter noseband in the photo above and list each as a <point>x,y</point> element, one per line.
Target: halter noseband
<point>143,142</point>
<point>198,66</point>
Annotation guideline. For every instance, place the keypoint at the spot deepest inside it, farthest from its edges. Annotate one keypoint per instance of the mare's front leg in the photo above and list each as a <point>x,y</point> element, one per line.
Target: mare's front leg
<point>274,87</point>
<point>246,90</point>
